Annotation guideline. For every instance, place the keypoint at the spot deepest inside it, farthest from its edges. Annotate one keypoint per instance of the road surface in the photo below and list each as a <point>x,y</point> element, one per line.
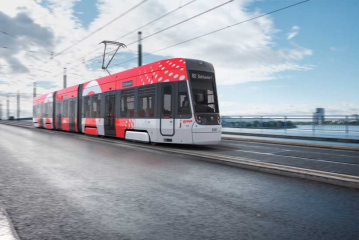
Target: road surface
<point>71,186</point>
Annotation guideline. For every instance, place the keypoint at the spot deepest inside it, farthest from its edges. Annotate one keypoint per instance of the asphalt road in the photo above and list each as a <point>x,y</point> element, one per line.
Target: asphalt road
<point>328,160</point>
<point>71,186</point>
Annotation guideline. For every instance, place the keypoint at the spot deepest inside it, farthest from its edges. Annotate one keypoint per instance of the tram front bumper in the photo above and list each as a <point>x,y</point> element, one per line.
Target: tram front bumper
<point>206,134</point>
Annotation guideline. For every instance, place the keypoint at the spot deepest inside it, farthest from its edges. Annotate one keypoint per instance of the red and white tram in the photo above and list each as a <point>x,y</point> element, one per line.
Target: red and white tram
<point>169,101</point>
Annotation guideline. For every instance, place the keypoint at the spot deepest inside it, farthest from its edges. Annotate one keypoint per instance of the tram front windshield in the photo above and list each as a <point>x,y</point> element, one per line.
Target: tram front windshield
<point>204,93</point>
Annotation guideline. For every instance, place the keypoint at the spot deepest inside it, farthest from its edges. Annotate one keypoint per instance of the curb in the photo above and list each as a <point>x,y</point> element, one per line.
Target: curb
<point>309,174</point>
<point>293,143</point>
<point>7,231</point>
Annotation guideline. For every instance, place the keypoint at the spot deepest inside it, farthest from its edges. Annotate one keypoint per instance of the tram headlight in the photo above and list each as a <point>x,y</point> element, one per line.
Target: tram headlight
<point>199,119</point>
<point>219,119</point>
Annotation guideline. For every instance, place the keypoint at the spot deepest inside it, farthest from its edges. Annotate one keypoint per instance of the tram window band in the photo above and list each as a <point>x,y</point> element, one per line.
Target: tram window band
<point>127,108</point>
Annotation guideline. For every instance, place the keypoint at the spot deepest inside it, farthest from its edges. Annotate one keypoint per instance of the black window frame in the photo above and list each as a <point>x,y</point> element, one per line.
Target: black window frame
<point>124,110</point>
<point>65,108</point>
<point>96,98</point>
<point>183,114</point>
<point>163,110</point>
<point>86,107</point>
<point>147,92</point>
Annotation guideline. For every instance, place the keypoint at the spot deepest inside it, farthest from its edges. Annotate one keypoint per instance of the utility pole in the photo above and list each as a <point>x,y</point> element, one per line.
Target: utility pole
<point>0,110</point>
<point>34,89</point>
<point>139,49</point>
<point>18,105</point>
<point>7,107</point>
<point>65,78</point>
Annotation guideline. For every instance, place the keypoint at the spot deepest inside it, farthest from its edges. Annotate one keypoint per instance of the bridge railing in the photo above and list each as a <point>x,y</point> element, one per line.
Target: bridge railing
<point>306,123</point>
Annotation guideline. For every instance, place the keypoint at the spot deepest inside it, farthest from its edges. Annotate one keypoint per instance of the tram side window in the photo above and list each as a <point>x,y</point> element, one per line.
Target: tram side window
<point>167,100</point>
<point>128,103</point>
<point>72,111</point>
<point>47,110</point>
<point>146,102</point>
<point>58,109</point>
<point>43,110</point>
<point>50,110</point>
<point>66,109</point>
<point>96,106</point>
<point>44,113</point>
<point>183,100</point>
<point>87,106</point>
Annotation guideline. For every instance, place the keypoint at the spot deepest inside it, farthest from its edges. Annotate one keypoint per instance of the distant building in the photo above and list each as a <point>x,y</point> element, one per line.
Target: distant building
<point>355,117</point>
<point>319,116</point>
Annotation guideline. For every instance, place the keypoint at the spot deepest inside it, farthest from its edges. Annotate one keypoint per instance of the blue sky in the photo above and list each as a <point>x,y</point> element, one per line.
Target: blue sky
<point>330,29</point>
<point>287,63</point>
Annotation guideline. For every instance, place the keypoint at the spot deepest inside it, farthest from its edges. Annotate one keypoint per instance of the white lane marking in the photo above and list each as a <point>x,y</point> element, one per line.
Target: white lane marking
<point>333,150</point>
<point>285,156</point>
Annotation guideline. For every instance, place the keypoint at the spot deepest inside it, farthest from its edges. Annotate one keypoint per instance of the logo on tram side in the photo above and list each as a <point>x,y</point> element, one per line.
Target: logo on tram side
<point>187,121</point>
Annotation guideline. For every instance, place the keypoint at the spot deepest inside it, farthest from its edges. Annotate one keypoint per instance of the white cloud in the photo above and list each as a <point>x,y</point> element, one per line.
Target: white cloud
<point>294,32</point>
<point>240,54</point>
<point>336,49</point>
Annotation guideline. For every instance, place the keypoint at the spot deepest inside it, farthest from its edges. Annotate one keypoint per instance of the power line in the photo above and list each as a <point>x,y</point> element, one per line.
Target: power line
<point>218,30</point>
<point>186,20</point>
<point>145,25</point>
<point>99,29</point>
<point>164,29</point>
<point>10,35</point>
<point>10,48</point>
<point>26,68</point>
<point>179,23</point>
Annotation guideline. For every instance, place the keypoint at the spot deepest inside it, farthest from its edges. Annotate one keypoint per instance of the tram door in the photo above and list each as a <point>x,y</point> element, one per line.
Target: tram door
<point>110,101</point>
<point>72,114</point>
<point>167,111</point>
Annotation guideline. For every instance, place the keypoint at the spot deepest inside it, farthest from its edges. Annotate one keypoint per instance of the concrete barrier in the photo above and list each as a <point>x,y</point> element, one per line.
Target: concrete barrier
<point>293,143</point>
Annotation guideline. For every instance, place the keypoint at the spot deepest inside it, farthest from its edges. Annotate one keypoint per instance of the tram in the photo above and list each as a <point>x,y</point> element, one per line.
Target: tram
<point>169,101</point>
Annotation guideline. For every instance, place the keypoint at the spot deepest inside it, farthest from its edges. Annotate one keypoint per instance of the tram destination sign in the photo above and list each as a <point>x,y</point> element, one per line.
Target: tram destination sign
<point>127,83</point>
<point>202,75</point>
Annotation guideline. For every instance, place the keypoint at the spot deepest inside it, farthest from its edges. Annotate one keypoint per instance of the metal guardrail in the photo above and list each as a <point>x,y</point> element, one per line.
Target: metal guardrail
<point>349,123</point>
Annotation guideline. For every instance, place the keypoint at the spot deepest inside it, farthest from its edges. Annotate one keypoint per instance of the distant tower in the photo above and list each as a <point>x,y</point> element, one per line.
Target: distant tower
<point>18,105</point>
<point>7,107</point>
<point>34,89</point>
<point>0,110</point>
<point>319,116</point>
<point>65,78</point>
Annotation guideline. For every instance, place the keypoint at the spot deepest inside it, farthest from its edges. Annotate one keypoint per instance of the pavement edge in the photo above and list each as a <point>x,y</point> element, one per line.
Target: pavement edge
<point>309,174</point>
<point>7,230</point>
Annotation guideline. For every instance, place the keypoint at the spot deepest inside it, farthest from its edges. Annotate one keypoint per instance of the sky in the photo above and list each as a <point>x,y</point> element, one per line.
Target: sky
<point>286,63</point>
